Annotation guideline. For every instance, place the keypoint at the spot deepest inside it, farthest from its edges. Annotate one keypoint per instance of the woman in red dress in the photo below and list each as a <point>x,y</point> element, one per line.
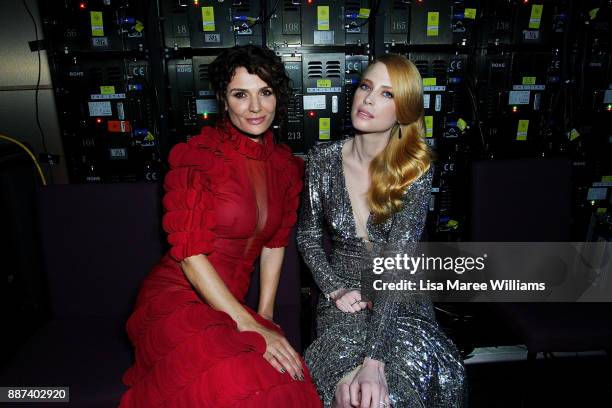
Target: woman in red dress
<point>231,197</point>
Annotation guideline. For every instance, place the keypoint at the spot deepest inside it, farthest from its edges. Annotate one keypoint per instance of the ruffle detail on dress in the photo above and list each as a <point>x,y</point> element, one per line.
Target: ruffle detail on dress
<point>190,355</point>
<point>194,354</point>
<point>243,144</point>
<point>172,328</point>
<point>247,381</point>
<point>196,168</point>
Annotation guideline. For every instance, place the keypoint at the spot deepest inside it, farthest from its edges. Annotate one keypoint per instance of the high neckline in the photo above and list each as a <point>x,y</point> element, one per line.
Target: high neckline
<point>243,144</point>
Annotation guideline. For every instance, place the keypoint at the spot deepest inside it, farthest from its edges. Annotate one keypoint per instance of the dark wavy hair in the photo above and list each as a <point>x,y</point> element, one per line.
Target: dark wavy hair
<point>259,61</point>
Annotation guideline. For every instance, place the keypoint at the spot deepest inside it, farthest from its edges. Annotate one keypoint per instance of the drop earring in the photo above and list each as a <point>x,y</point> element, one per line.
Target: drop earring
<point>400,131</point>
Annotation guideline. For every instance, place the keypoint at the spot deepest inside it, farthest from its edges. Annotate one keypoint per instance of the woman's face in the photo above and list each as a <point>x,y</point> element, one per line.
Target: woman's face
<point>373,108</point>
<point>250,102</point>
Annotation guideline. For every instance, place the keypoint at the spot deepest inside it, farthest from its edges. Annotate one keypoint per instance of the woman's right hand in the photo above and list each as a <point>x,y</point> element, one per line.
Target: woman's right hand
<point>369,387</point>
<point>279,352</point>
<point>349,300</point>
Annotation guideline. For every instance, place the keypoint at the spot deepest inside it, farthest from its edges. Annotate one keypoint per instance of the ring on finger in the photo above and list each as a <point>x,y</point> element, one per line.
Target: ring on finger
<point>357,301</point>
<point>382,404</point>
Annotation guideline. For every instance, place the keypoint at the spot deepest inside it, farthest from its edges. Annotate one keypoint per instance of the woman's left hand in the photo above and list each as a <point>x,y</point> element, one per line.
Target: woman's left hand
<point>369,387</point>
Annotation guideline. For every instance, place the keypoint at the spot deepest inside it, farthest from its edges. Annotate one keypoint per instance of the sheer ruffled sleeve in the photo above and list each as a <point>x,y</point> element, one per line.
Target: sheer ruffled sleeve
<point>188,202</point>
<point>403,238</point>
<point>293,173</point>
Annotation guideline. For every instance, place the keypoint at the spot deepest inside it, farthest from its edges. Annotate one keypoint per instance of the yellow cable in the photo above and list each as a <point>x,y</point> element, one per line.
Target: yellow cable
<point>18,143</point>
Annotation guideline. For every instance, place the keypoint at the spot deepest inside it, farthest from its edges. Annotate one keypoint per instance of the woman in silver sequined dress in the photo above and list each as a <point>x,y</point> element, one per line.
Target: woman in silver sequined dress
<point>372,191</point>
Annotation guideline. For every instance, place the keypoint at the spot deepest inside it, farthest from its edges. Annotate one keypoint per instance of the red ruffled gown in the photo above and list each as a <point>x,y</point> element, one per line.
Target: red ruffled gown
<point>227,196</point>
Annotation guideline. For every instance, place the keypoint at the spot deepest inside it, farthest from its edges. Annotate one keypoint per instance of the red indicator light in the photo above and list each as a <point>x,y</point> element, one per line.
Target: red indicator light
<point>514,109</point>
<point>205,116</point>
<point>309,1</point>
<point>196,2</point>
<point>82,6</point>
<point>98,120</point>
<point>311,114</point>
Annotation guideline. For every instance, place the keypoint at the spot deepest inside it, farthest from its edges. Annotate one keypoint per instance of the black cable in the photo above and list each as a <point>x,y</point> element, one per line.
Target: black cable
<point>565,59</point>
<point>40,129</point>
<point>157,113</point>
<point>270,14</point>
<point>367,20</point>
<point>472,91</point>
<point>259,18</point>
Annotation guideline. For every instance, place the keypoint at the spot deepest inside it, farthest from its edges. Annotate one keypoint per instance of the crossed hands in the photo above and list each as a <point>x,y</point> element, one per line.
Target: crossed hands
<point>366,386</point>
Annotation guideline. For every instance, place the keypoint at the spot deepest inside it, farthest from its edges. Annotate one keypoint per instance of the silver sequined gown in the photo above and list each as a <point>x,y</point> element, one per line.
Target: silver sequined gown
<point>422,365</point>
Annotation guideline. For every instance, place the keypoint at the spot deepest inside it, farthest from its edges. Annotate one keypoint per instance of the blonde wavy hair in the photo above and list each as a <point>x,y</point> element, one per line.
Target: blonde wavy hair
<point>404,159</point>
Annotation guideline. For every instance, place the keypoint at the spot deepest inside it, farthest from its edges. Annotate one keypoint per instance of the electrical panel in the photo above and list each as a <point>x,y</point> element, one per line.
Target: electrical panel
<point>244,16</point>
<point>596,65</point>
<point>449,201</point>
<point>108,120</point>
<point>355,67</point>
<point>177,28</point>
<point>96,26</point>
<point>323,101</point>
<point>284,29</point>
<point>107,100</point>
<point>325,42</point>
<point>446,108</point>
<point>493,80</point>
<point>323,23</point>
<point>433,71</point>
<point>447,119</point>
<point>498,26</point>
<point>292,130</point>
<point>523,23</point>
<point>357,21</point>
<point>430,23</point>
<point>313,23</point>
<point>527,98</point>
<point>500,78</point>
<point>211,24</point>
<point>397,21</point>
<point>533,24</point>
<point>514,93</point>
<point>466,18</point>
<point>192,101</point>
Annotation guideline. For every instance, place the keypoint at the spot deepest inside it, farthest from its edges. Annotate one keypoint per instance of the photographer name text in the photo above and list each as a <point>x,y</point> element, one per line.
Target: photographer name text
<point>457,285</point>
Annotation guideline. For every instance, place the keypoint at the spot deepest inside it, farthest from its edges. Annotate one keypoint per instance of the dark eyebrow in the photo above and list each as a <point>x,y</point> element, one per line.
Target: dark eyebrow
<point>246,90</point>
